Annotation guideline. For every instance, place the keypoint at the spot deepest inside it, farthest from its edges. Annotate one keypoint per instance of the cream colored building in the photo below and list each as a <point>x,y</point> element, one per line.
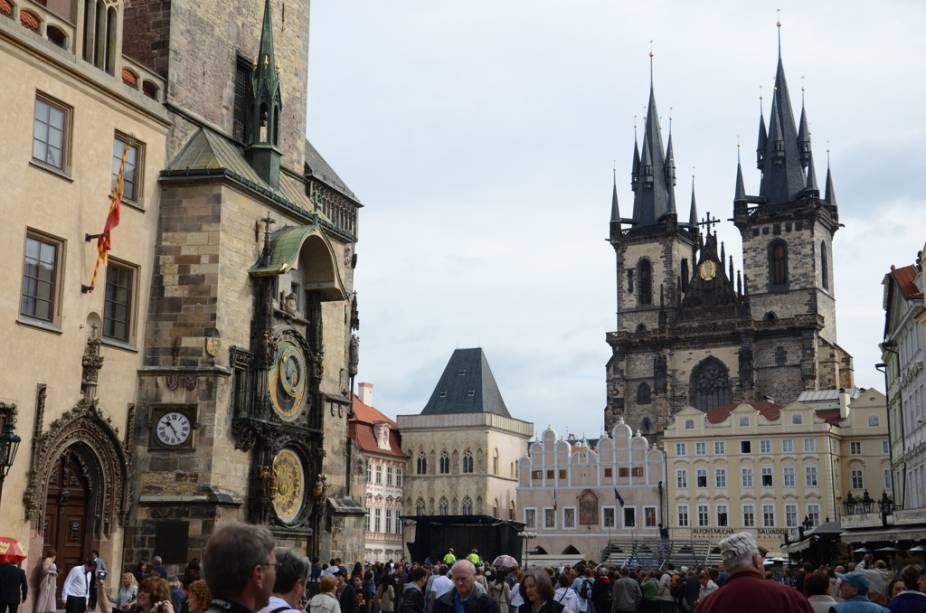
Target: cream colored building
<point>568,493</point>
<point>765,469</point>
<point>464,446</point>
<point>70,104</point>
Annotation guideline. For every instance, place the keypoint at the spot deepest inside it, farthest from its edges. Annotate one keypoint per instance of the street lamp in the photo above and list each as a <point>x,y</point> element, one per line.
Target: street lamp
<point>9,445</point>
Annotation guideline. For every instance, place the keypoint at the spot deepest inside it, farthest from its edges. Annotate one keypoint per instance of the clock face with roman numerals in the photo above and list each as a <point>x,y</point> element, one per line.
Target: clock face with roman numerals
<point>173,429</point>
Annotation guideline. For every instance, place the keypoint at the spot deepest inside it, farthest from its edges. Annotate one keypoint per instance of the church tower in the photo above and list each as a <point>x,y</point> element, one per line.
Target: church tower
<point>266,104</point>
<point>654,257</point>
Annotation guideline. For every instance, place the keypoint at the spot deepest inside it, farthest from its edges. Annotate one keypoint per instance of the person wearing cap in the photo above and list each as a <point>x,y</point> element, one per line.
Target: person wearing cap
<point>853,588</point>
<point>747,589</point>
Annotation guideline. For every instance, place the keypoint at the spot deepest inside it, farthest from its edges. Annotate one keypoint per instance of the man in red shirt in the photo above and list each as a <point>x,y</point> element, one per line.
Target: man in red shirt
<point>747,589</point>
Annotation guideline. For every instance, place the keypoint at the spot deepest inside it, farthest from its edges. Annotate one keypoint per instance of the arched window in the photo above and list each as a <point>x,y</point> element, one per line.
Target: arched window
<point>443,507</point>
<point>467,505</point>
<point>495,462</point>
<point>444,463</point>
<point>645,283</point>
<point>686,275</point>
<point>369,472</point>
<point>588,508</point>
<point>419,507</point>
<point>422,464</point>
<point>824,266</point>
<point>778,265</point>
<point>495,508</point>
<point>644,395</point>
<point>646,424</point>
<point>511,510</point>
<point>467,461</point>
<point>710,385</point>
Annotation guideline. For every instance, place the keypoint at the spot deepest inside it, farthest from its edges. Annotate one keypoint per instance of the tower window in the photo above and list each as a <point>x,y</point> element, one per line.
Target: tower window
<point>824,267</point>
<point>686,276</point>
<point>630,280</point>
<point>242,87</point>
<point>710,385</point>
<point>644,394</point>
<point>645,282</point>
<point>778,265</point>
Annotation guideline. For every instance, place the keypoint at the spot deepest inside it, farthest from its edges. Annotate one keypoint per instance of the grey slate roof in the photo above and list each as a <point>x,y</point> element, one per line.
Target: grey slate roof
<point>653,177</point>
<point>466,386</point>
<point>321,170</point>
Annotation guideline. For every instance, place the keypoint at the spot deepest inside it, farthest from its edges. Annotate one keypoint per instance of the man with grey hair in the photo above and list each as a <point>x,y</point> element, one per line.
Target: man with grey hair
<point>465,597</point>
<point>292,575</point>
<point>239,566</point>
<point>747,589</point>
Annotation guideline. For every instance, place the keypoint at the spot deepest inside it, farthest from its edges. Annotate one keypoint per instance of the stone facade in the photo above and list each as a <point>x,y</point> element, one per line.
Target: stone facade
<point>68,382</point>
<point>566,493</point>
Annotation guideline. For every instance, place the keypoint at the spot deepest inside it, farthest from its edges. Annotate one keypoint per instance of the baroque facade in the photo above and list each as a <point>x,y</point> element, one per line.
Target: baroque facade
<point>464,446</point>
<point>244,390</point>
<point>380,462</point>
<point>766,469</point>
<point>693,332</point>
<point>71,105</point>
<point>575,496</point>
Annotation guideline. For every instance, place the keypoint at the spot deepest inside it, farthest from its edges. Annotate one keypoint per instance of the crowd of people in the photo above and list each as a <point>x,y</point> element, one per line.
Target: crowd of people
<point>243,571</point>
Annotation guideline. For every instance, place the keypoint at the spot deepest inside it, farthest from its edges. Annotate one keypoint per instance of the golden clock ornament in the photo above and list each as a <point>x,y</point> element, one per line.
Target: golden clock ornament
<point>288,378</point>
<point>288,485</point>
<point>708,270</point>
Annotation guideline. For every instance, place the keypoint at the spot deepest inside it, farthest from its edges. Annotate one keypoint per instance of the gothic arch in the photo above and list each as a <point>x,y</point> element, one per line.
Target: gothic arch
<point>709,387</point>
<point>644,393</point>
<point>778,265</point>
<point>645,281</point>
<point>824,266</point>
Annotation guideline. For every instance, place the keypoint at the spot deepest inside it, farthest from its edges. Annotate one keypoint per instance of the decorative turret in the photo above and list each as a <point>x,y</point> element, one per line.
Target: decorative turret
<point>763,138</point>
<point>830,194</point>
<point>811,188</point>
<point>615,224</point>
<point>693,212</point>
<point>263,137</point>
<point>635,169</point>
<point>739,196</point>
<point>803,135</point>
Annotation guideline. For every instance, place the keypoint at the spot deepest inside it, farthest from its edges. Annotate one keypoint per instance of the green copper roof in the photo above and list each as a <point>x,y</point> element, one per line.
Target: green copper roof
<point>285,247</point>
<point>266,80</point>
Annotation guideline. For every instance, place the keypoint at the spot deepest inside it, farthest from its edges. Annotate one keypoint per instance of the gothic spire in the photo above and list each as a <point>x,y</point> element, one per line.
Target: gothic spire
<point>803,135</point>
<point>830,194</point>
<point>812,186</point>
<point>615,224</point>
<point>763,138</point>
<point>740,195</point>
<point>670,170</point>
<point>693,212</point>
<point>266,80</point>
<point>635,169</point>
<point>263,134</point>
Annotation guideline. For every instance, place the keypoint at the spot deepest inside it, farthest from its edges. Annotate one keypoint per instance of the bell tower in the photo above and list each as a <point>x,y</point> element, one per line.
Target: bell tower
<point>263,131</point>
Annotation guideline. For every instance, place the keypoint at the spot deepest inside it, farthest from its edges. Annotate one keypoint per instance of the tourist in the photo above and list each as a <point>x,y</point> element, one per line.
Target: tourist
<point>747,589</point>
<point>141,572</point>
<point>464,594</point>
<point>708,585</point>
<point>13,587</point>
<point>911,598</point>
<point>325,601</point>
<point>853,588</point>
<point>413,600</point>
<point>500,592</point>
<point>48,588</point>
<point>292,573</point>
<point>177,595</point>
<point>818,588</point>
<point>154,596</point>
<point>565,595</point>
<point>385,594</point>
<point>192,572</point>
<point>126,593</point>
<point>198,597</point>
<point>347,595</point>
<point>76,589</point>
<point>626,594</point>
<point>440,585</point>
<point>538,593</point>
<point>157,567</point>
<point>894,587</point>
<point>239,566</point>
<point>449,557</point>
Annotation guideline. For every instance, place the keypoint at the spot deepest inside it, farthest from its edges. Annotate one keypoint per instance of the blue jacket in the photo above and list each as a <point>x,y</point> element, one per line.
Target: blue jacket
<point>859,604</point>
<point>908,602</point>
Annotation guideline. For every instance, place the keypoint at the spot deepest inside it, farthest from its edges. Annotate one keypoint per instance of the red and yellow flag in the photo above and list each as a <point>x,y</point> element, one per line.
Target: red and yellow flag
<point>104,239</point>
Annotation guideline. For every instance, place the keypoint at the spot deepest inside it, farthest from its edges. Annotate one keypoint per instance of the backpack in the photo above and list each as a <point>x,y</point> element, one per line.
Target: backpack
<point>585,592</point>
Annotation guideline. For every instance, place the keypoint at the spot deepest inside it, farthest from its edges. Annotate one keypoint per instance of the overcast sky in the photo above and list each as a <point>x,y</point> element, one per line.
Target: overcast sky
<point>480,136</point>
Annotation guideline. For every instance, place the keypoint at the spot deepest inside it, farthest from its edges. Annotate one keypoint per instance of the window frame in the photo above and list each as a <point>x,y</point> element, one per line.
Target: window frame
<point>138,200</point>
<point>604,516</point>
<point>633,512</point>
<point>678,516</point>
<point>718,472</point>
<point>56,293</point>
<point>566,525</point>
<point>855,447</point>
<point>66,135</point>
<point>725,522</point>
<point>749,515</point>
<point>646,516</point>
<point>703,511</point>
<point>131,324</point>
<point>779,274</point>
<point>547,513</point>
<point>530,517</point>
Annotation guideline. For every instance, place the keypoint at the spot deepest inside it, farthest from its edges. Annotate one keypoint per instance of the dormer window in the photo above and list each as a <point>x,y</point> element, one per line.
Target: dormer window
<point>382,435</point>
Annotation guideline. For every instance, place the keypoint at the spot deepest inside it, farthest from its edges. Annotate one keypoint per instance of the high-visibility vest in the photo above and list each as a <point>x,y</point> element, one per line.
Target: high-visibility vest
<point>449,558</point>
<point>473,557</point>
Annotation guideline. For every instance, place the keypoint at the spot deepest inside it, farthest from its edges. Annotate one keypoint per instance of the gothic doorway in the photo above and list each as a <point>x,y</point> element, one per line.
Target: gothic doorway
<point>67,527</point>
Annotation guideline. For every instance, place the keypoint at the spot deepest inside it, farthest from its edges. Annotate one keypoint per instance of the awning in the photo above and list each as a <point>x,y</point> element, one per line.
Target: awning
<point>285,248</point>
<point>285,244</point>
<point>913,533</point>
<point>797,546</point>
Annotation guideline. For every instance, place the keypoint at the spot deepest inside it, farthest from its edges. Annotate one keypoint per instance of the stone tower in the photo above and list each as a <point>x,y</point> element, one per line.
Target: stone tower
<point>693,332</point>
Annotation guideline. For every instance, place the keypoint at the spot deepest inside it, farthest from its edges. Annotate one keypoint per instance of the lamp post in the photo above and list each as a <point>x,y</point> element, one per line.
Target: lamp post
<point>9,445</point>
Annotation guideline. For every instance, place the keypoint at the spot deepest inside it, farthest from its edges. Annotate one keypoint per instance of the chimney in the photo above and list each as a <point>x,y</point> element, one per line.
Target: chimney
<point>843,404</point>
<point>366,393</point>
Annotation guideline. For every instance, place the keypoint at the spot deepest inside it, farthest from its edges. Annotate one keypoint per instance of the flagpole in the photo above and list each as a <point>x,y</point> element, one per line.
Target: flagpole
<point>103,242</point>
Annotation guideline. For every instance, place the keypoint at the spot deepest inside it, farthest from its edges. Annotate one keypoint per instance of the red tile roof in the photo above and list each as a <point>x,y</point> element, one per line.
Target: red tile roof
<point>769,410</point>
<point>906,280</point>
<point>360,430</point>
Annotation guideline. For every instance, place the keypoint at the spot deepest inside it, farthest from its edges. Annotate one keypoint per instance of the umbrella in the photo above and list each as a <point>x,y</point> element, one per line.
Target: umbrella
<point>918,549</point>
<point>505,562</point>
<point>11,551</point>
<point>861,550</point>
<point>887,549</point>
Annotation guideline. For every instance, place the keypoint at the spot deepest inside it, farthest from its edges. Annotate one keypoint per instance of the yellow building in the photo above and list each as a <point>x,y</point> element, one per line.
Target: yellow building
<point>766,469</point>
<point>70,104</point>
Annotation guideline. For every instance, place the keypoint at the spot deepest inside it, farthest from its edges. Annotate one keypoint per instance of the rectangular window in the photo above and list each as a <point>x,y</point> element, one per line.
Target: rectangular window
<point>379,475</point>
<point>242,98</point>
<point>810,445</point>
<point>722,517</point>
<point>855,447</point>
<point>537,474</point>
<point>720,477</point>
<point>765,446</point>
<point>788,476</point>
<point>630,517</point>
<point>562,473</point>
<point>550,473</point>
<point>607,517</point>
<point>40,278</point>
<point>700,448</point>
<point>131,184</point>
<point>388,521</point>
<point>50,133</point>
<point>745,446</point>
<point>787,445</point>
<point>398,477</point>
<point>549,518</point>
<point>796,419</point>
<point>681,449</point>
<point>857,481</point>
<point>530,518</point>
<point>703,516</point>
<point>683,516</point>
<point>118,307</point>
<point>636,471</point>
<point>701,477</point>
<point>888,479</point>
<point>649,517</point>
<point>681,478</point>
<point>885,447</point>
<point>749,516</point>
<point>720,448</point>
<point>608,472</point>
<point>810,476</point>
<point>791,516</point>
<point>744,420</point>
<point>388,477</point>
<point>873,421</point>
<point>689,424</point>
<point>569,517</point>
<point>768,516</point>
<point>369,472</point>
<point>813,512</point>
<point>377,522</point>
<point>623,472</point>
<point>747,477</point>
<point>766,476</point>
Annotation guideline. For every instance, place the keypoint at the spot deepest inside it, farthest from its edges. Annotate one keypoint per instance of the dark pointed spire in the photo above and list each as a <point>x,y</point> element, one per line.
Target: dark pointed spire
<point>635,169</point>
<point>740,194</point>
<point>730,276</point>
<point>670,171</point>
<point>263,151</point>
<point>739,283</point>
<point>803,134</point>
<point>615,224</point>
<point>763,137</point>
<point>812,186</point>
<point>693,212</point>
<point>830,194</point>
<point>723,253</point>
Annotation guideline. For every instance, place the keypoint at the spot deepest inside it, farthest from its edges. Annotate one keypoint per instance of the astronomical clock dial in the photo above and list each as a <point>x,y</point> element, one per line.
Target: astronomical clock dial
<point>708,270</point>
<point>288,379</point>
<point>173,429</point>
<point>288,486</point>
